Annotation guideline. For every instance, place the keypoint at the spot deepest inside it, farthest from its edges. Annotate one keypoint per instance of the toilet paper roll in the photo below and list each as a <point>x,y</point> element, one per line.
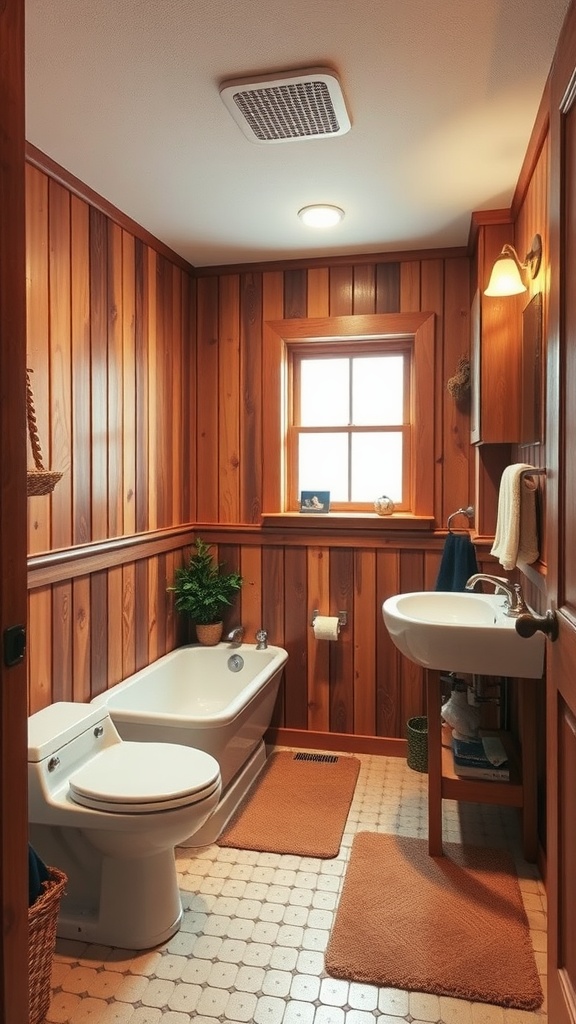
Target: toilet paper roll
<point>326,627</point>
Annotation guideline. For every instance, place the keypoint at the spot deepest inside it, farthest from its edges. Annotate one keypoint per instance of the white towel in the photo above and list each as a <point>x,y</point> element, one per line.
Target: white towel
<point>516,540</point>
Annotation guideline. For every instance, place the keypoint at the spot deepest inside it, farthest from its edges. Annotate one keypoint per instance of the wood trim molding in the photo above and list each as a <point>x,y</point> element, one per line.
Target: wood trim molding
<point>351,259</point>
<point>36,158</point>
<point>310,740</point>
<point>87,558</point>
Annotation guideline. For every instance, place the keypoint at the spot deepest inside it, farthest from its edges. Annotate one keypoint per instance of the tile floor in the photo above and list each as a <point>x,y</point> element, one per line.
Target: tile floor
<point>256,925</point>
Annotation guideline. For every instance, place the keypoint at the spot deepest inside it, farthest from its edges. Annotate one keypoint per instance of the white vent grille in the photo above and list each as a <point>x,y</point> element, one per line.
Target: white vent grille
<point>288,107</point>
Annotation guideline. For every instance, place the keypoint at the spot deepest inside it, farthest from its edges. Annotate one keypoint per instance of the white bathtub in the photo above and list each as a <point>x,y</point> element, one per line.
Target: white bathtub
<point>219,699</point>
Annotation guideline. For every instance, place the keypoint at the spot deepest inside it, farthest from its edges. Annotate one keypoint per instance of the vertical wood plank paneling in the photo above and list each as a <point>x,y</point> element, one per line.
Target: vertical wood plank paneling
<point>273,400</point>
<point>411,675</point>
<point>341,291</point>
<point>152,606</point>
<point>206,399</point>
<point>250,607</point>
<point>174,623</point>
<point>388,694</point>
<point>295,297</point>
<point>141,357</point>
<point>365,609</point>
<point>115,382</point>
<point>251,386</point>
<point>128,620</point>
<point>98,633</point>
<point>115,670</point>
<point>318,292</point>
<point>58,453</point>
<point>165,608</point>
<point>129,443</point>
<point>163,395</point>
<point>410,286</point>
<point>273,596</point>
<point>318,587</point>
<point>81,397</point>
<point>188,400</point>
<point>37,333</point>
<point>99,374</point>
<point>151,356</point>
<point>40,650</point>
<point>432,299</point>
<point>364,289</point>
<point>387,288</point>
<point>141,616</point>
<point>61,681</point>
<point>456,421</point>
<point>341,651</point>
<point>296,636</point>
<point>81,639</point>
<point>174,342</point>
<point>229,401</point>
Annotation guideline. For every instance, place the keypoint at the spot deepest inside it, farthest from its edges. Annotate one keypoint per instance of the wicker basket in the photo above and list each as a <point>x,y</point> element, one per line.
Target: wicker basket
<point>39,480</point>
<point>42,916</point>
<point>417,735</point>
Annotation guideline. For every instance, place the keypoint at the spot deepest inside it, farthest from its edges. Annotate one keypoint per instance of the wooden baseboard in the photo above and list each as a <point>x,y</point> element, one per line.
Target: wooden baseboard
<point>308,740</point>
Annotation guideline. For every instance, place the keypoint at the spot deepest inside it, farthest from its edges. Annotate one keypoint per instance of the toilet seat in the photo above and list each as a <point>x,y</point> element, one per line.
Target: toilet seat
<point>137,778</point>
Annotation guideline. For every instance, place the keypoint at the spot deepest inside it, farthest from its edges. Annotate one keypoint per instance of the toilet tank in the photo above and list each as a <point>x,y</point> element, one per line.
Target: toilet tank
<point>61,738</point>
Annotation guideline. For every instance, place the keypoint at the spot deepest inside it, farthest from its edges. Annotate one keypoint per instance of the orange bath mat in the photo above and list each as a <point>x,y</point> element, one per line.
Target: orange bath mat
<point>452,925</point>
<point>298,804</point>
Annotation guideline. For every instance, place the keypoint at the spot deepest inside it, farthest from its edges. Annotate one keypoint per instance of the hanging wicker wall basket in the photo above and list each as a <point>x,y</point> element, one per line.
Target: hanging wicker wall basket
<point>39,480</point>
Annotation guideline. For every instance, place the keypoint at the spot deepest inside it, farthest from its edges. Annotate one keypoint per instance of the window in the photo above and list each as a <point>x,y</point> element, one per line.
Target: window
<point>349,430</point>
<point>299,356</point>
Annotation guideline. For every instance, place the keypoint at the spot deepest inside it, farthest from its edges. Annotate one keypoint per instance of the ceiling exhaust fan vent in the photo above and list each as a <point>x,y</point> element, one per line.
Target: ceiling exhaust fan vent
<point>289,106</point>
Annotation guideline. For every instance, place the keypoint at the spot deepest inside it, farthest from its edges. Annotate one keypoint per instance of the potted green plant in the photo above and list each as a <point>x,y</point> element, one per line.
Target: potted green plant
<point>203,590</point>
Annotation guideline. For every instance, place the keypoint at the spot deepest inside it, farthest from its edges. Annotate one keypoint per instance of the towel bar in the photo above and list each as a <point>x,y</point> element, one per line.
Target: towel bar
<point>536,471</point>
<point>468,512</point>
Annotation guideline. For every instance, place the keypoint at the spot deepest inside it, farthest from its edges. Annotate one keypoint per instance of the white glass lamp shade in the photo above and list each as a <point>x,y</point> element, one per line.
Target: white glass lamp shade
<point>505,278</point>
<point>321,216</point>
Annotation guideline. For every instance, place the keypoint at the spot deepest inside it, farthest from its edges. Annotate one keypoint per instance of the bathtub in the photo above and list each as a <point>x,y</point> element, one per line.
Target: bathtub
<point>219,699</point>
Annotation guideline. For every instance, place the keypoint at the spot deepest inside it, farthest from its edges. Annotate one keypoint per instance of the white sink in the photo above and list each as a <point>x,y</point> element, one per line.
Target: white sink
<point>462,632</point>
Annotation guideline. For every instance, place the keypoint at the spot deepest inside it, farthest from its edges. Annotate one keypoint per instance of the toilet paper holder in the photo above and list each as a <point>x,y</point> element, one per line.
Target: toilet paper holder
<point>342,617</point>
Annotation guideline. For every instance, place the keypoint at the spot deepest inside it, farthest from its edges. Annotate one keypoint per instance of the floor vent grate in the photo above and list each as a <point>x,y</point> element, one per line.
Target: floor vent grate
<point>331,758</point>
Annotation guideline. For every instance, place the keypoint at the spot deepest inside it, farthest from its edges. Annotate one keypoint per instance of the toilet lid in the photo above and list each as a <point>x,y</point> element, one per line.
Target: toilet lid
<point>136,778</point>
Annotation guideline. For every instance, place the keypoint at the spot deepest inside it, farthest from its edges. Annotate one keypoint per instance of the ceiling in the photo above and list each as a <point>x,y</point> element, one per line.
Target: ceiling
<point>442,98</point>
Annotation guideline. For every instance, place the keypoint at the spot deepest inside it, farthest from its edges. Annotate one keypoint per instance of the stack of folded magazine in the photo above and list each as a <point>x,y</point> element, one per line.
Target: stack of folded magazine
<point>481,758</point>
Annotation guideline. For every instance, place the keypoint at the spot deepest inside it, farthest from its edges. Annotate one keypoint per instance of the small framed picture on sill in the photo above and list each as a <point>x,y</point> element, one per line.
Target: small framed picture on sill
<point>317,502</point>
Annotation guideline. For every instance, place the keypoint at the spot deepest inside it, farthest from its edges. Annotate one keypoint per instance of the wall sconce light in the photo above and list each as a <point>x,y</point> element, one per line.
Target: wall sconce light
<point>505,278</point>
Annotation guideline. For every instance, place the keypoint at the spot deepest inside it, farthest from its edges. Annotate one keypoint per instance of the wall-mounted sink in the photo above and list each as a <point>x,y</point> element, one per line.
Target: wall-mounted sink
<point>462,632</point>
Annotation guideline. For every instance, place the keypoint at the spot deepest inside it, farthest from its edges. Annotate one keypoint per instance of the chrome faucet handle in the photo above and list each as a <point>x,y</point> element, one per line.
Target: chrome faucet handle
<point>236,635</point>
<point>261,640</point>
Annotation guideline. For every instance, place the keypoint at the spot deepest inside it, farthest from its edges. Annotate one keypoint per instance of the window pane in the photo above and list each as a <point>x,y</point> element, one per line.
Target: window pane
<point>324,392</point>
<point>378,390</point>
<point>376,466</point>
<point>323,464</point>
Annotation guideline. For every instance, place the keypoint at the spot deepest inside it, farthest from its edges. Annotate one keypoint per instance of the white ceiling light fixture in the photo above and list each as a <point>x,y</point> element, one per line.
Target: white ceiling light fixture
<point>321,215</point>
<point>287,106</point>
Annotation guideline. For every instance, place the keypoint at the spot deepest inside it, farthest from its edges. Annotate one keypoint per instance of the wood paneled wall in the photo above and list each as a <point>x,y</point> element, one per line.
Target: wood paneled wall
<point>150,386</point>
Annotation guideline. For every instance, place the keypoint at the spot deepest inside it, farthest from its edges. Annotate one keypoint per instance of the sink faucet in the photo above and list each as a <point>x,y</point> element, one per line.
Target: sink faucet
<point>261,640</point>
<point>236,636</point>
<point>515,604</point>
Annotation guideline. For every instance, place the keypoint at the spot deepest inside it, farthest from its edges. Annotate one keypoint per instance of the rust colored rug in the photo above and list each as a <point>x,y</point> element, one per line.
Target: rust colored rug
<point>452,925</point>
<point>298,804</point>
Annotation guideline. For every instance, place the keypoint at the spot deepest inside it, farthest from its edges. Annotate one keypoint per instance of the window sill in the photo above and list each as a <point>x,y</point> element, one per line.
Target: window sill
<point>349,521</point>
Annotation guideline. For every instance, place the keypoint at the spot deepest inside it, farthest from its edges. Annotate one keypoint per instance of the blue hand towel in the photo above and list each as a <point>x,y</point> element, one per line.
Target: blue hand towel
<point>37,874</point>
<point>458,562</point>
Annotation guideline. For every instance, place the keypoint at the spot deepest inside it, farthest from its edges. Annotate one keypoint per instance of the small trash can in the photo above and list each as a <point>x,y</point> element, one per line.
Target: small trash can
<point>417,735</point>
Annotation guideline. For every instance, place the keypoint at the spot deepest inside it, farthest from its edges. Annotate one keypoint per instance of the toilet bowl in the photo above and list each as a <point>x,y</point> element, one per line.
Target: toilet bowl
<point>109,813</point>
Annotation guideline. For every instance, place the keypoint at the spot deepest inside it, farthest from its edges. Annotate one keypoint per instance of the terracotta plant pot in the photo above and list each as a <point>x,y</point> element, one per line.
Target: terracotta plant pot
<point>210,634</point>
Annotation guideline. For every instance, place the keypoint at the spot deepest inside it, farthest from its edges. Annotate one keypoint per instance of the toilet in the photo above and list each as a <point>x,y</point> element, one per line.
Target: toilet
<point>109,812</point>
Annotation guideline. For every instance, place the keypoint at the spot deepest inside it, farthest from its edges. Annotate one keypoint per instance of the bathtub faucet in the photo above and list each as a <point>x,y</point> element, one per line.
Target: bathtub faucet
<point>236,635</point>
<point>261,640</point>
